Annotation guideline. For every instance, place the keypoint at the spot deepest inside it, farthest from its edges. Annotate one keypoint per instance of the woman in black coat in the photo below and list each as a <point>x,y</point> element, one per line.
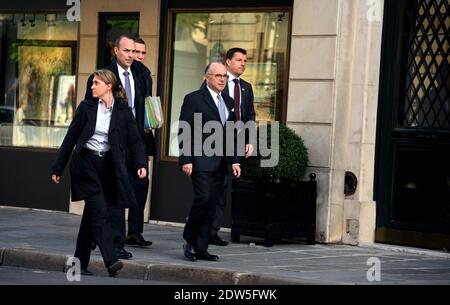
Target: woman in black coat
<point>104,134</point>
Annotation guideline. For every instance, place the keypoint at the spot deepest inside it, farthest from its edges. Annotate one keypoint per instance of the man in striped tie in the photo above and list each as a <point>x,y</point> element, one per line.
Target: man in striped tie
<point>130,76</point>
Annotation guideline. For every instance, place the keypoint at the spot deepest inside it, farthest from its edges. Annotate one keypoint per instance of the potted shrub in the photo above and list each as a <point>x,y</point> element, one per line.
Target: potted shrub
<point>273,202</point>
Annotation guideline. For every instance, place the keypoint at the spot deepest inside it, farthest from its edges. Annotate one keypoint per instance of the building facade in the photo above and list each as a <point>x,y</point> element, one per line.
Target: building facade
<point>364,83</point>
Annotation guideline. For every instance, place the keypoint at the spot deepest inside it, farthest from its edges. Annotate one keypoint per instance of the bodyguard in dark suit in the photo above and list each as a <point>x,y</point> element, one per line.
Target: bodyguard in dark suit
<point>136,214</point>
<point>103,133</point>
<point>238,89</point>
<point>242,94</point>
<point>207,171</point>
<point>131,77</point>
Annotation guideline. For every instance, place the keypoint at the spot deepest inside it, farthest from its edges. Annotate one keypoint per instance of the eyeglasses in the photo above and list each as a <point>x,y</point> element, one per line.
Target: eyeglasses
<point>218,76</point>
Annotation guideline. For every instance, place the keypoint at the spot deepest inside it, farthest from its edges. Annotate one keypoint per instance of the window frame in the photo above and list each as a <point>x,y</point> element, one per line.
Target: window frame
<point>44,7</point>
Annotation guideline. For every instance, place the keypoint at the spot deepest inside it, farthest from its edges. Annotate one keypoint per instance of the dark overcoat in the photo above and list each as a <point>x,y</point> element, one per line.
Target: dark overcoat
<point>142,89</point>
<point>125,142</point>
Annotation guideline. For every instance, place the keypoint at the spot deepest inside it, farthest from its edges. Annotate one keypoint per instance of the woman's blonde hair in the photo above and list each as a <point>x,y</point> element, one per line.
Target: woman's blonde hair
<point>110,78</point>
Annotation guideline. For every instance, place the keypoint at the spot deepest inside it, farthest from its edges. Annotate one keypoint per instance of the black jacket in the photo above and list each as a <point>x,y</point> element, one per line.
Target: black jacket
<point>201,102</point>
<point>123,138</point>
<point>146,76</point>
<point>142,89</point>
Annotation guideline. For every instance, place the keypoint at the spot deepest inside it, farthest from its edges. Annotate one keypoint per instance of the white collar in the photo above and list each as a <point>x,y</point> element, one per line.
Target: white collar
<point>100,101</point>
<point>213,93</point>
<point>231,77</point>
<point>122,70</point>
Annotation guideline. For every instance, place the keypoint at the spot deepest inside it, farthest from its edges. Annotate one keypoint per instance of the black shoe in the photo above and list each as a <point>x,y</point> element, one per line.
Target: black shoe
<point>206,256</point>
<point>138,240</point>
<point>189,252</point>
<point>86,272</point>
<point>114,268</point>
<point>123,254</point>
<point>216,240</point>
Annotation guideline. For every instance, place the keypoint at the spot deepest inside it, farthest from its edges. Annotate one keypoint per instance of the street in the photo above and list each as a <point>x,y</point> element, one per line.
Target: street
<point>22,276</point>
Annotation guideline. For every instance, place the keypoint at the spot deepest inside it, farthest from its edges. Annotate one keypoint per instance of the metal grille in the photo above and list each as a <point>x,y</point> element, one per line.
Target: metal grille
<point>426,83</point>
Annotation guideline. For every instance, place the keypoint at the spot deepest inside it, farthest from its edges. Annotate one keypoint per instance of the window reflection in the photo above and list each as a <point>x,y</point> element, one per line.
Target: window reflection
<point>37,85</point>
<point>200,38</point>
<point>111,26</point>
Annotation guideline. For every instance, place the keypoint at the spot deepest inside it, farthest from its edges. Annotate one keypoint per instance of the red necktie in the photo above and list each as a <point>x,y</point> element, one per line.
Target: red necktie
<point>237,99</point>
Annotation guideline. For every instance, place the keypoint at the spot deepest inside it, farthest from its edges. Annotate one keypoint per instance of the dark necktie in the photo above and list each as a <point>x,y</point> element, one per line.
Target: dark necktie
<point>128,89</point>
<point>237,99</point>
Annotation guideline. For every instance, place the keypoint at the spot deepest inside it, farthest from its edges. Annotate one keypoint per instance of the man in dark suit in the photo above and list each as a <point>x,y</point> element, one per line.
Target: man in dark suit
<point>131,77</point>
<point>242,94</point>
<point>136,214</point>
<point>207,170</point>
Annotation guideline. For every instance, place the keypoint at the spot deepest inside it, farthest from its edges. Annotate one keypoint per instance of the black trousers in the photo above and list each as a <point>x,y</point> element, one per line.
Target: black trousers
<point>220,209</point>
<point>95,223</point>
<point>208,189</point>
<point>136,214</point>
<point>117,218</point>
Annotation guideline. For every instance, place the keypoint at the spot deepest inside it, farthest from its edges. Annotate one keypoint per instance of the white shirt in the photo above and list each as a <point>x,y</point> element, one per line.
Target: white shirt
<point>122,80</point>
<point>231,86</point>
<point>216,101</point>
<point>99,140</point>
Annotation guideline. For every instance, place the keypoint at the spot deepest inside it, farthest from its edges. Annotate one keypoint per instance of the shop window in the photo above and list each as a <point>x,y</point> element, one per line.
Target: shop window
<point>201,38</point>
<point>111,26</point>
<point>37,83</point>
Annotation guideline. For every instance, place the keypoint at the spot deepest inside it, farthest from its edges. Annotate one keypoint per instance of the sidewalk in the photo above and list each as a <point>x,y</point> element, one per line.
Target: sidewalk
<point>44,240</point>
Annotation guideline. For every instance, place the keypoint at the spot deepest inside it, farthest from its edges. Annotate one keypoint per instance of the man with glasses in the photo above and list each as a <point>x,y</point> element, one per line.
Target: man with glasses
<point>206,171</point>
<point>242,94</point>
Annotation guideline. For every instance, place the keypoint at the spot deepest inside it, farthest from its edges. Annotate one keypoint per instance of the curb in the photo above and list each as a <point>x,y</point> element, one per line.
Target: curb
<point>33,260</point>
<point>189,274</point>
<point>140,271</point>
<point>255,279</point>
<point>131,270</point>
<point>405,249</point>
